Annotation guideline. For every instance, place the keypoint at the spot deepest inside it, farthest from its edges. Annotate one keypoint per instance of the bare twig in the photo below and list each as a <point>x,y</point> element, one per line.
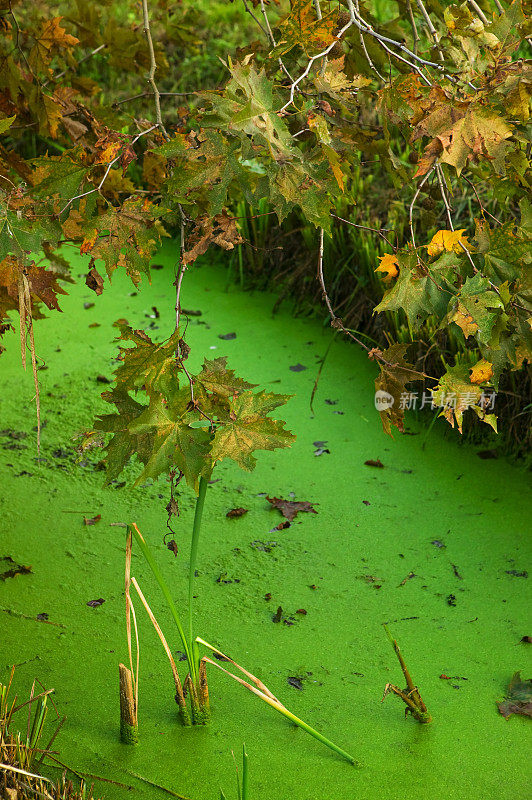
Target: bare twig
<point>107,171</point>
<point>153,68</point>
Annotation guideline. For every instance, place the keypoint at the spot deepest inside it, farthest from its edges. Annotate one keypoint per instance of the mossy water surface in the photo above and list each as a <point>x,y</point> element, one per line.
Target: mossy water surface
<point>434,543</point>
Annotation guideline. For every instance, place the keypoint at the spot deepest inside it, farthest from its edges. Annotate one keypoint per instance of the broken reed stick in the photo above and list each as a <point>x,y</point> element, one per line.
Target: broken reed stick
<point>129,729</point>
<point>179,694</point>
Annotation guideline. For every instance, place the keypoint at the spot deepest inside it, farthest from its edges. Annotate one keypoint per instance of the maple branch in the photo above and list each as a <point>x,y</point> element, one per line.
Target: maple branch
<point>150,94</point>
<point>107,171</point>
<point>257,20</point>
<point>416,195</point>
<point>55,78</point>
<point>295,84</point>
<point>475,6</point>
<point>153,67</point>
<point>415,34</point>
<point>365,49</point>
<point>365,228</point>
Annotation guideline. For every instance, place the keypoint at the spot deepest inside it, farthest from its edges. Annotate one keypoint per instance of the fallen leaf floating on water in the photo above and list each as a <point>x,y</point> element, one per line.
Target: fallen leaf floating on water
<point>378,463</point>
<point>280,527</point>
<point>96,603</point>
<point>290,508</point>
<point>237,512</point>
<point>13,568</point>
<point>297,367</point>
<point>518,699</point>
<point>92,520</point>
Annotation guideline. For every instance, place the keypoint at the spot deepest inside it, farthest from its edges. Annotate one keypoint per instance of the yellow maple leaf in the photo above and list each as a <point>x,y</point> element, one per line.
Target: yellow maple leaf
<point>389,265</point>
<point>481,372</point>
<point>465,321</point>
<point>451,241</point>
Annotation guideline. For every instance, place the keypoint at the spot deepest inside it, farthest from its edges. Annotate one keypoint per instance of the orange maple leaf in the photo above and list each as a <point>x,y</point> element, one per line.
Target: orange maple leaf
<point>389,265</point>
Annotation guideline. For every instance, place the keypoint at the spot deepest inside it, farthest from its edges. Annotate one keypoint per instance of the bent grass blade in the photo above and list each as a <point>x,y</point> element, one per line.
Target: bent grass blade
<point>274,703</point>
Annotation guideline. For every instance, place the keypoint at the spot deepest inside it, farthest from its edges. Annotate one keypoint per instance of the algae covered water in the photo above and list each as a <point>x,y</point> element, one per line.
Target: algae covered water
<point>434,543</point>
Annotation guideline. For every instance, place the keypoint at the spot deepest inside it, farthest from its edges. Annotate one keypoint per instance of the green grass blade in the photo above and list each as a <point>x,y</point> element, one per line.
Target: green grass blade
<point>245,775</point>
<point>148,555</point>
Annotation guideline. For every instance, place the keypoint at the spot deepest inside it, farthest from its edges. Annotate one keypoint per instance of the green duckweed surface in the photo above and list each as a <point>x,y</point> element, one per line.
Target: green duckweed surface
<point>435,543</point>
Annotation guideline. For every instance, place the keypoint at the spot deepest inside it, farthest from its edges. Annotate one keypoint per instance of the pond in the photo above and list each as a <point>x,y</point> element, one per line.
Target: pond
<point>433,542</point>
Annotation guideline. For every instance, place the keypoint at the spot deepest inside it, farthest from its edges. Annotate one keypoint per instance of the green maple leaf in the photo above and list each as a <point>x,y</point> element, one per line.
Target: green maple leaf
<point>123,445</point>
<point>485,307</point>
<point>416,291</point>
<point>124,237</point>
<point>147,365</point>
<point>174,441</point>
<point>247,428</point>
<point>207,170</point>
<point>58,176</point>
<point>249,105</point>
<point>216,378</point>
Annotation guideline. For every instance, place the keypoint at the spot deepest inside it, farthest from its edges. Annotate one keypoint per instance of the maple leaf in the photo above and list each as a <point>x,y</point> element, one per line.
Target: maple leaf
<point>59,177</point>
<point>417,288</point>
<point>481,372</point>
<point>247,427</point>
<point>479,310</point>
<point>42,283</point>
<point>301,28</point>
<point>122,237</point>
<point>220,230</point>
<point>455,394</point>
<point>52,39</point>
<point>216,378</point>
<point>174,442</point>
<point>123,444</point>
<point>147,365</point>
<point>451,241</point>
<point>464,320</point>
<point>393,377</point>
<point>389,266</point>
<point>518,699</point>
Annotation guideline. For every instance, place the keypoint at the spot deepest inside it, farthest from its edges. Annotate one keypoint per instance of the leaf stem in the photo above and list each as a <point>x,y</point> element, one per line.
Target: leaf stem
<point>196,530</point>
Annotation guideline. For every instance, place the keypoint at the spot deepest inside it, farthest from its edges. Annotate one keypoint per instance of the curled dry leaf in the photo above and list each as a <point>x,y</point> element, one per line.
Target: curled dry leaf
<point>237,512</point>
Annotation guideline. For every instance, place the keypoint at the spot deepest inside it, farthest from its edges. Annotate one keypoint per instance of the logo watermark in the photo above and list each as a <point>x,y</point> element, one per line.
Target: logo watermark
<point>415,400</point>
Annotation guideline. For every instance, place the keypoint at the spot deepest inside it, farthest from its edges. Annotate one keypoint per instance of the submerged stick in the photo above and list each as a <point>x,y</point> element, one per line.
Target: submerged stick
<point>129,729</point>
<point>410,696</point>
